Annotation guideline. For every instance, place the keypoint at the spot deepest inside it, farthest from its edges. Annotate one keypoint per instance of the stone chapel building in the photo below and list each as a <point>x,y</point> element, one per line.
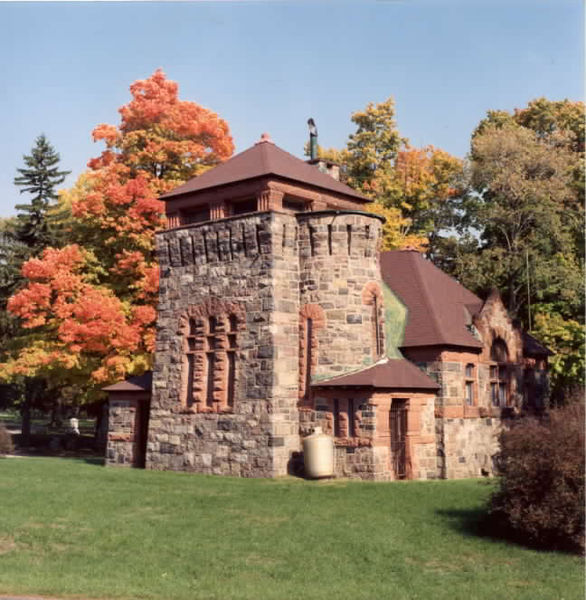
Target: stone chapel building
<point>277,313</point>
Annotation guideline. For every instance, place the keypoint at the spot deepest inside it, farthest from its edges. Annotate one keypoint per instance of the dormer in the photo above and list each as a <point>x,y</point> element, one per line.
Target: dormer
<point>260,179</point>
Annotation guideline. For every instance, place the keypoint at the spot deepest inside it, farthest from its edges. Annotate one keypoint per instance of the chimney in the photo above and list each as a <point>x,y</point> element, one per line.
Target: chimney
<point>325,166</point>
<point>312,139</point>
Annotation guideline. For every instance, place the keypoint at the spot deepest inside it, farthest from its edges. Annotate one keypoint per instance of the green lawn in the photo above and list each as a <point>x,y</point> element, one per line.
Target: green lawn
<point>69,528</point>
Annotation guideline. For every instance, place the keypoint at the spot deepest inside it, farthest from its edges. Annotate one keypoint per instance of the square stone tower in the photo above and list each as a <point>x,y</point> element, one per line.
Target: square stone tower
<point>264,268</point>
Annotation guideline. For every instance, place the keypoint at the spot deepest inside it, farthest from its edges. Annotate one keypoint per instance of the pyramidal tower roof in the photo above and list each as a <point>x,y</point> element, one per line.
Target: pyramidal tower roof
<point>261,160</point>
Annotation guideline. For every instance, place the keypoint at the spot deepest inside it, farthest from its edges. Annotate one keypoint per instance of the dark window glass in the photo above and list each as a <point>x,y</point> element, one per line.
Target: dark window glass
<point>196,216</point>
<point>469,393</point>
<point>337,432</point>
<point>210,379</point>
<point>351,423</point>
<point>494,394</point>
<point>308,354</point>
<point>244,206</point>
<point>190,371</point>
<point>231,377</point>
<point>294,205</point>
<point>498,351</point>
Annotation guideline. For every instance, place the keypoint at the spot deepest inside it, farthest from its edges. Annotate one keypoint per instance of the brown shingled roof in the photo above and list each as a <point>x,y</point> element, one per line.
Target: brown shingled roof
<point>136,383</point>
<point>438,307</point>
<point>262,159</point>
<point>393,373</point>
<point>531,347</point>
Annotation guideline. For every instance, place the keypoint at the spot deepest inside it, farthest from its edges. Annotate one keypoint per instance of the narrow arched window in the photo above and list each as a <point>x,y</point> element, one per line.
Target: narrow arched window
<point>308,353</point>
<point>190,350</point>
<point>499,373</point>
<point>231,360</point>
<point>378,341</point>
<point>210,360</point>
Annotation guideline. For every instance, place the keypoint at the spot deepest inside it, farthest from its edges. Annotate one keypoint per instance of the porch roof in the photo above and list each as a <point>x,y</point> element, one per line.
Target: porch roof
<point>390,374</point>
<point>135,383</point>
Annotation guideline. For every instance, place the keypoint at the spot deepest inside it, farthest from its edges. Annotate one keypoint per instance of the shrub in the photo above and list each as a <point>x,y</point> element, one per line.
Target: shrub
<point>6,446</point>
<point>540,499</point>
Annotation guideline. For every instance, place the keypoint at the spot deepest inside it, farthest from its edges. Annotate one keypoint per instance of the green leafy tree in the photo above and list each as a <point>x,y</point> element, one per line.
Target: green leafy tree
<point>39,177</point>
<point>523,208</point>
<point>522,226</point>
<point>567,339</point>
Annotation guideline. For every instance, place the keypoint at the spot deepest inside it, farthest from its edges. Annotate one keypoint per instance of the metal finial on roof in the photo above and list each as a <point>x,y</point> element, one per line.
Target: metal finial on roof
<point>265,137</point>
<point>312,139</point>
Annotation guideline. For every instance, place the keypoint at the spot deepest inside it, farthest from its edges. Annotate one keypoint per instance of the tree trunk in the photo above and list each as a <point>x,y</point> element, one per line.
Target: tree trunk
<point>25,428</point>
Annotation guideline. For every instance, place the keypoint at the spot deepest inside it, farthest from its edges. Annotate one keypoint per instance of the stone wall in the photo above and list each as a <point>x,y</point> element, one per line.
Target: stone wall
<point>125,447</point>
<point>248,265</point>
<point>338,261</point>
<point>469,446</point>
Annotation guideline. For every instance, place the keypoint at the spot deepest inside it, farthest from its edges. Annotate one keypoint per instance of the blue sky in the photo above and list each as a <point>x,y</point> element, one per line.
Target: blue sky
<point>269,66</point>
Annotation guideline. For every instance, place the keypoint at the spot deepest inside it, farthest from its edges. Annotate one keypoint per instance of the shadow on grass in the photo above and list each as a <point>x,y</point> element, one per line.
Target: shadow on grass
<point>479,523</point>
<point>98,461</point>
<point>468,522</point>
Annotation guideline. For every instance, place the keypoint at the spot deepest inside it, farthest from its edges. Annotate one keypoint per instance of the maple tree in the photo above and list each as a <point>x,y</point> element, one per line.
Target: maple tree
<point>89,307</point>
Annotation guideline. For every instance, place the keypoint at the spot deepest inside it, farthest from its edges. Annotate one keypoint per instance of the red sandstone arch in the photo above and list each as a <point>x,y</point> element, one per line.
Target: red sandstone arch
<point>370,291</point>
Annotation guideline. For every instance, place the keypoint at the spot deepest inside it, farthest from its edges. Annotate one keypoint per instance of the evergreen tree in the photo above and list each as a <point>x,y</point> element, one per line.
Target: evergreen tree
<point>39,177</point>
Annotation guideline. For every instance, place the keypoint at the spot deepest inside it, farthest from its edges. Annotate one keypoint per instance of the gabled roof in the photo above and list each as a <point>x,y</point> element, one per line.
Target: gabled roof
<point>438,307</point>
<point>391,373</point>
<point>136,383</point>
<point>262,159</point>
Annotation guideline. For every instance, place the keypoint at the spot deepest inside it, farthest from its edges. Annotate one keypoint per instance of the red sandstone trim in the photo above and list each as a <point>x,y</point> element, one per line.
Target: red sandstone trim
<point>316,313</point>
<point>200,314</point>
<point>371,292</point>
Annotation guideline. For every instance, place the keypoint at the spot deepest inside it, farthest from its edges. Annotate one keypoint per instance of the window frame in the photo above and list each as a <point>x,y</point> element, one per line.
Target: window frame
<point>470,384</point>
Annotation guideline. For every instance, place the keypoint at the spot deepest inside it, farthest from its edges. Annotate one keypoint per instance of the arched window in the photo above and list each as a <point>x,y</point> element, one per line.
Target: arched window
<point>210,360</point>
<point>499,373</point>
<point>498,351</point>
<point>190,354</point>
<point>311,319</point>
<point>211,346</point>
<point>372,296</point>
<point>378,338</point>
<point>231,356</point>
<point>469,384</point>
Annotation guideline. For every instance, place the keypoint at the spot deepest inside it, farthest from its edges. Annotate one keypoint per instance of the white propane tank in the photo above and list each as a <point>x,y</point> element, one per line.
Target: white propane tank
<point>318,454</point>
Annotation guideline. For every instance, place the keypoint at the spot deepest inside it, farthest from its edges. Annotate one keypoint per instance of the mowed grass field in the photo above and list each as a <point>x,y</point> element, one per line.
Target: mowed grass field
<point>74,529</point>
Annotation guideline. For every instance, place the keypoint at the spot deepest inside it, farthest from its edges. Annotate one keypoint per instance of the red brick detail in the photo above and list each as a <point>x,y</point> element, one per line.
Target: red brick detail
<point>269,199</point>
<point>316,314</point>
<point>200,315</point>
<point>120,437</point>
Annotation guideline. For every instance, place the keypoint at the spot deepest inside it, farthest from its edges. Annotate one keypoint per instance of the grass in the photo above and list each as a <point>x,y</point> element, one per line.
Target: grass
<point>72,528</point>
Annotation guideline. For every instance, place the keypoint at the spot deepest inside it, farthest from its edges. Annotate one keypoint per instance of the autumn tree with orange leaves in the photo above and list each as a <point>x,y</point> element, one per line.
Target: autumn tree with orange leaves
<point>89,307</point>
